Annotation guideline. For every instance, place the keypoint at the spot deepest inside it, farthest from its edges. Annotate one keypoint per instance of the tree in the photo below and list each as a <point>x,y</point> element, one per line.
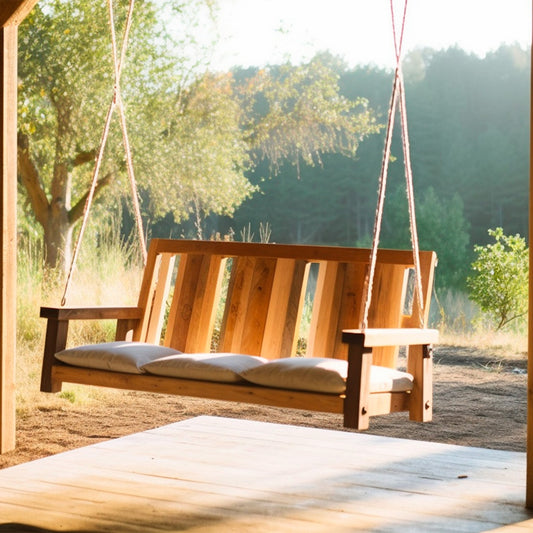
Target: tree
<point>441,226</point>
<point>499,284</point>
<point>194,133</point>
<point>297,113</point>
<point>66,87</point>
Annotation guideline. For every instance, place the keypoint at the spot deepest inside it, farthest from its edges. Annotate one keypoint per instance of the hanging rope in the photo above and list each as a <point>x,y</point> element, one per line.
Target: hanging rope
<point>398,96</point>
<point>116,103</point>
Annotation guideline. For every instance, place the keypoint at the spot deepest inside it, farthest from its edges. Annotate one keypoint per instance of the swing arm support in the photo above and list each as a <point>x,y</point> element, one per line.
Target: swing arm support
<point>58,319</point>
<point>360,403</point>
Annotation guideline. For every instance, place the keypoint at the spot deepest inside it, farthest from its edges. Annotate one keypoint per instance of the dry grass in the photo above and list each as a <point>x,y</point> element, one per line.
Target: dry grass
<point>102,278</point>
<point>461,324</point>
<point>496,341</point>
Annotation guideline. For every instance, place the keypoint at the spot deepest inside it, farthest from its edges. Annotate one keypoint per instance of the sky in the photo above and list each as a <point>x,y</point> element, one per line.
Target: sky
<point>259,32</point>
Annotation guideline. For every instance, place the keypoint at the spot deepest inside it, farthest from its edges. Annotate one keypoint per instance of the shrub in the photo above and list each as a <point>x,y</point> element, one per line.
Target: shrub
<point>499,284</point>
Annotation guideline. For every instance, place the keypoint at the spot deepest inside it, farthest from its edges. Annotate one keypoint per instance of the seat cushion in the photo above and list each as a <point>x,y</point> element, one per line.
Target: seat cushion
<point>118,356</point>
<point>316,374</point>
<point>222,367</point>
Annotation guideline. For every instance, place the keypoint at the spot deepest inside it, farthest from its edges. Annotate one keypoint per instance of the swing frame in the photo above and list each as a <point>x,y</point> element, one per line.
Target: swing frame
<point>262,311</point>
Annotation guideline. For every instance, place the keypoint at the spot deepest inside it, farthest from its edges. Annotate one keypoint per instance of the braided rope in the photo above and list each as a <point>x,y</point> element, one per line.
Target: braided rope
<point>411,203</point>
<point>116,102</point>
<point>398,95</point>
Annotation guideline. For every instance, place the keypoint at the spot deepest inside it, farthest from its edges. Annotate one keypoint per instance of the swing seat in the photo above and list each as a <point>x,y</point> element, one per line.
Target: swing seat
<point>222,320</point>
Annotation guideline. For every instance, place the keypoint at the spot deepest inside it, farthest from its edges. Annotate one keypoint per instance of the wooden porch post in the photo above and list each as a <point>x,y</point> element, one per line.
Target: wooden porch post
<point>8,235</point>
<point>12,12</point>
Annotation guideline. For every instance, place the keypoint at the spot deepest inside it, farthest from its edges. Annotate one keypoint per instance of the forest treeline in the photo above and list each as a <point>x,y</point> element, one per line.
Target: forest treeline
<point>468,123</point>
<point>295,149</point>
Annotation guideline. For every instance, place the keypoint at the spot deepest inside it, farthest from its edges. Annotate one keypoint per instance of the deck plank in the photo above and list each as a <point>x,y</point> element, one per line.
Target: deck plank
<point>219,474</point>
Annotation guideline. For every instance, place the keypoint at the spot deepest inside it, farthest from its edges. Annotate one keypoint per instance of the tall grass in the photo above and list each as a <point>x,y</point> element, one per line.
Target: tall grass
<point>460,322</point>
<point>107,274</point>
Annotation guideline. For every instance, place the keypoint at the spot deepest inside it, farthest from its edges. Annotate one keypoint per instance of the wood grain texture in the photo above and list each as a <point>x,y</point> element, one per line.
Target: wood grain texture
<point>258,292</point>
<point>419,364</point>
<point>156,307</point>
<point>222,475</point>
<point>248,393</point>
<point>326,309</point>
<point>8,232</point>
<point>13,12</point>
<point>285,309</point>
<point>193,308</point>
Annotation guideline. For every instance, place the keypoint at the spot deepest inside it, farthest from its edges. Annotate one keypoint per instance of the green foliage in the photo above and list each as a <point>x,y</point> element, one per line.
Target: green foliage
<point>200,156</point>
<point>68,395</point>
<point>499,284</point>
<point>468,128</point>
<point>194,133</point>
<point>297,113</point>
<point>441,226</point>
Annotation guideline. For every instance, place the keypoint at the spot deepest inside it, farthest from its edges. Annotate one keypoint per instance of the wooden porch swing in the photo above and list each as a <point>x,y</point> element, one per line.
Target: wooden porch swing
<point>250,297</point>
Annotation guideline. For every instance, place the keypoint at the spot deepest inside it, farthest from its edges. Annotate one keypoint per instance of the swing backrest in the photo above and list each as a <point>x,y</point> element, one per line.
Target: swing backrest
<point>249,298</point>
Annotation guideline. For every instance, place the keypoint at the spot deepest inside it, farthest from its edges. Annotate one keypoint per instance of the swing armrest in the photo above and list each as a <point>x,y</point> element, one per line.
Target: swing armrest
<point>419,364</point>
<point>375,337</point>
<point>57,330</point>
<point>90,313</point>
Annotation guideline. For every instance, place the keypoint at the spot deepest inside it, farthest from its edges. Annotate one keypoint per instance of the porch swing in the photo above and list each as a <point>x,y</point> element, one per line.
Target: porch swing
<point>362,311</point>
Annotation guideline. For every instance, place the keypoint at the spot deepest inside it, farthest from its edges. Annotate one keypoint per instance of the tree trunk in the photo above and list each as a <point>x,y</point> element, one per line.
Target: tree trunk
<point>56,217</point>
<point>58,238</point>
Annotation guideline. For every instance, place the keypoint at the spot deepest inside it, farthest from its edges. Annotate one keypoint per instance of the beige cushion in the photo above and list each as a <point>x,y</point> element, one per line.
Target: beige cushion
<point>222,367</point>
<point>383,379</point>
<point>327,375</point>
<point>119,356</point>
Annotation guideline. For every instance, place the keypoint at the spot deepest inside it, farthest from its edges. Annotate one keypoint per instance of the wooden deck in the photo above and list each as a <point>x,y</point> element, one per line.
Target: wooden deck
<point>215,474</point>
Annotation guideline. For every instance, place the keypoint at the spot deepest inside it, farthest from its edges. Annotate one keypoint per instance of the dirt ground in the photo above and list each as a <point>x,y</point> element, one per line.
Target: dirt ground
<point>479,400</point>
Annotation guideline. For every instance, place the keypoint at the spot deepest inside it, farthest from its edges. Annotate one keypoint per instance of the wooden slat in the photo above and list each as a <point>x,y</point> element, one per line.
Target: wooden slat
<point>428,261</point>
<point>247,304</point>
<point>256,307</point>
<point>288,251</point>
<point>351,306</point>
<point>90,313</point>
<point>386,310</point>
<point>146,293</point>
<point>383,403</point>
<point>329,403</point>
<point>156,309</point>
<point>233,321</point>
<point>326,309</point>
<point>379,403</point>
<point>193,308</point>
<point>126,329</point>
<point>285,310</point>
